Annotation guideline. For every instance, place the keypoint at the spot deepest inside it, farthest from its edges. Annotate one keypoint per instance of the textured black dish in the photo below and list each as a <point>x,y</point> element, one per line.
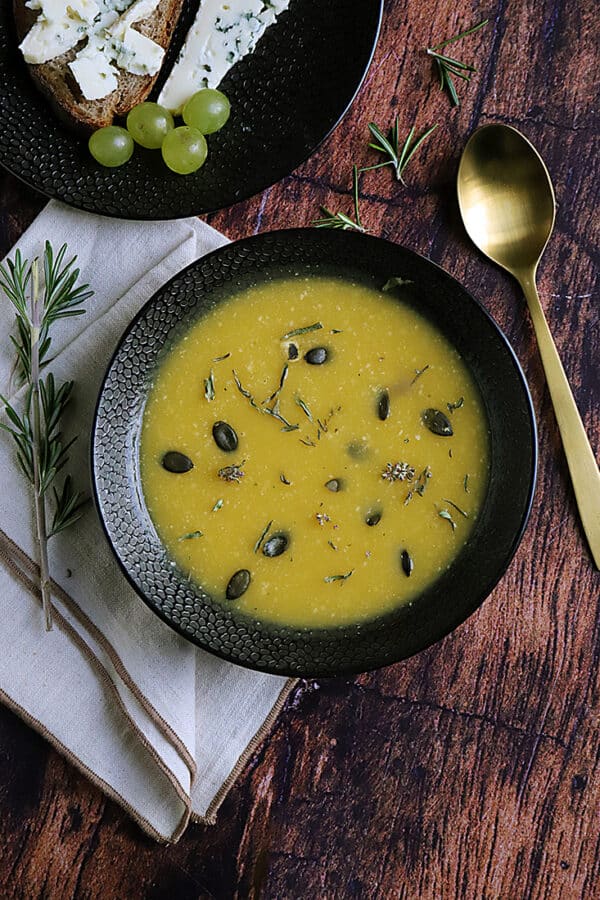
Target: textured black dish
<point>213,626</point>
<point>286,97</point>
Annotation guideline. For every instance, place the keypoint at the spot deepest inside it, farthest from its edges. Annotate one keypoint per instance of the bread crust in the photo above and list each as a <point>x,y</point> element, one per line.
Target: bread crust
<point>56,81</point>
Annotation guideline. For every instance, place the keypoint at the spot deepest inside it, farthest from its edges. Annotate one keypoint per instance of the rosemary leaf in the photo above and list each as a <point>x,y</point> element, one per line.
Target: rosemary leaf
<point>209,386</point>
<point>444,514</point>
<point>457,508</point>
<point>190,536</point>
<point>263,535</point>
<point>316,326</point>
<point>396,282</point>
<point>330,578</point>
<point>305,409</point>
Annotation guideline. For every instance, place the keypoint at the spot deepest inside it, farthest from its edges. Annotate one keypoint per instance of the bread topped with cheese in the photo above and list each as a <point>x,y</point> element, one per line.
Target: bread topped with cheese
<point>95,59</point>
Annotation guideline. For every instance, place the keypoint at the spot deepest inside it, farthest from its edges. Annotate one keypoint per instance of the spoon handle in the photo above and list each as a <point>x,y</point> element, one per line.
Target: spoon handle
<point>585,474</point>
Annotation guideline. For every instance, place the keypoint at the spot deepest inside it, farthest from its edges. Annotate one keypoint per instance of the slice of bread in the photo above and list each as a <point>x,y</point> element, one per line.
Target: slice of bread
<point>56,81</point>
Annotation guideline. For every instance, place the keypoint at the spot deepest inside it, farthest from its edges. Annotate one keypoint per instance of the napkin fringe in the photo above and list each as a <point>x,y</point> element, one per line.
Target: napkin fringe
<point>108,683</point>
<point>210,816</point>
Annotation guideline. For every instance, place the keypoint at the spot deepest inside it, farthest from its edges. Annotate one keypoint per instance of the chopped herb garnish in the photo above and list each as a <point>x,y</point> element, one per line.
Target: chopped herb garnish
<point>232,474</point>
<point>452,406</point>
<point>419,486</point>
<point>457,508</point>
<point>399,157</point>
<point>306,329</point>
<point>303,406</point>
<point>336,331</point>
<point>329,578</point>
<point>190,536</point>
<point>218,505</point>
<point>283,479</point>
<point>418,373</point>
<point>444,514</point>
<point>263,535</point>
<point>466,484</point>
<point>399,471</point>
<point>448,68</point>
<point>396,282</point>
<point>209,386</point>
<point>274,412</point>
<point>221,358</point>
<point>308,442</point>
<point>332,545</point>
<point>340,219</point>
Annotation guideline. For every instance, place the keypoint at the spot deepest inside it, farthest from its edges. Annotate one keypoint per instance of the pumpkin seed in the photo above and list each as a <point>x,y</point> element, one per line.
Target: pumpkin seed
<point>275,546</point>
<point>383,405</point>
<point>406,561</point>
<point>176,462</point>
<point>373,518</point>
<point>225,437</point>
<point>316,357</point>
<point>437,422</point>
<point>334,485</point>
<point>238,584</point>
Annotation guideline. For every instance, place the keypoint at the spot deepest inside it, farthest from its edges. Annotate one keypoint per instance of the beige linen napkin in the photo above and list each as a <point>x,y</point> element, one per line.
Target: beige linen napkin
<point>160,726</point>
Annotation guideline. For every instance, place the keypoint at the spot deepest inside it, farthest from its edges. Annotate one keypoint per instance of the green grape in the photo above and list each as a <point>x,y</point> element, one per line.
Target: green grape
<point>111,146</point>
<point>207,110</point>
<point>184,149</point>
<point>148,124</point>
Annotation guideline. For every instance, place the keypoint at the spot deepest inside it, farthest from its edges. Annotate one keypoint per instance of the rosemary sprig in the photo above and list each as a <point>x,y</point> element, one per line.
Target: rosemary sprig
<point>448,68</point>
<point>340,219</point>
<point>399,157</point>
<point>41,453</point>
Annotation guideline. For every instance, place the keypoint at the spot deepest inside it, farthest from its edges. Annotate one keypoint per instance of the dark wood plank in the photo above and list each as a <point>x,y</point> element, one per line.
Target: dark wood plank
<point>470,770</point>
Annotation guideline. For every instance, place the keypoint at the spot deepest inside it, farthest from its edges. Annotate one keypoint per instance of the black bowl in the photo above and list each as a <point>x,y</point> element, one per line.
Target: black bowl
<point>286,97</point>
<point>315,652</point>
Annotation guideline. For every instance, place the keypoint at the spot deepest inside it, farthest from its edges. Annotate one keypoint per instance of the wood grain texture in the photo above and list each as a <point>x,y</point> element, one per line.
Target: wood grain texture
<point>472,770</point>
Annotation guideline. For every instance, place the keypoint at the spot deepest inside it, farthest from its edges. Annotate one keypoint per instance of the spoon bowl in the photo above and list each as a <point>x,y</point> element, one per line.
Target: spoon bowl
<point>506,197</point>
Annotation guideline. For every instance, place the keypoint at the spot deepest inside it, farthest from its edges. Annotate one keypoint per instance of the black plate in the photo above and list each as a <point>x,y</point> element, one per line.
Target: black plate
<point>286,97</point>
<point>213,626</point>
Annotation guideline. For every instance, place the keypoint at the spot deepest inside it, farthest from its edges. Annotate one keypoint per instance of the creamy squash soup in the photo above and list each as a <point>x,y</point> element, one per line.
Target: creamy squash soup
<point>314,452</point>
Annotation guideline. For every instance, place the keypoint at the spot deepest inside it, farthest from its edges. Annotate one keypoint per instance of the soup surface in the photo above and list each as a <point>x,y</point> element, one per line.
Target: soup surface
<point>349,514</point>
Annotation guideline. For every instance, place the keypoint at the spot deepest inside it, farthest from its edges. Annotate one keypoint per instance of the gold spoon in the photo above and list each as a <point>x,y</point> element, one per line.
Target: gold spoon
<point>507,204</point>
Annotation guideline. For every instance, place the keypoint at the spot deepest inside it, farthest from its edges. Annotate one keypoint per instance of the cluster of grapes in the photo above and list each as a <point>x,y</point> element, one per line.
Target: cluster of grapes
<point>184,149</point>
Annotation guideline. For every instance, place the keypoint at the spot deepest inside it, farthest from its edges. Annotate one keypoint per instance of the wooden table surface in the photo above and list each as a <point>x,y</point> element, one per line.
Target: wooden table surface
<point>471,770</point>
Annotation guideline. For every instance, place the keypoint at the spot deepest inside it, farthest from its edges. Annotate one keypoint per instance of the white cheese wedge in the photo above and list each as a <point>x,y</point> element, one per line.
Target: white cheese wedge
<point>111,43</point>
<point>59,27</point>
<point>95,74</point>
<point>222,34</point>
<point>137,53</point>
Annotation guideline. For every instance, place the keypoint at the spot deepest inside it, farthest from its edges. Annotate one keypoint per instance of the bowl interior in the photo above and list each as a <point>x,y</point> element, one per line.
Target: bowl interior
<point>190,610</point>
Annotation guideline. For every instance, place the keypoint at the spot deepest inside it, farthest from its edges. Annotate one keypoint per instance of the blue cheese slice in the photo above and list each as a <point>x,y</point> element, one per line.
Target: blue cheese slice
<point>222,34</point>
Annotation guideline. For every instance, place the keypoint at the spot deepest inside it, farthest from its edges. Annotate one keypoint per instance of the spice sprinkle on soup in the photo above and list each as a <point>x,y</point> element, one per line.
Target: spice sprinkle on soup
<point>313,452</point>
